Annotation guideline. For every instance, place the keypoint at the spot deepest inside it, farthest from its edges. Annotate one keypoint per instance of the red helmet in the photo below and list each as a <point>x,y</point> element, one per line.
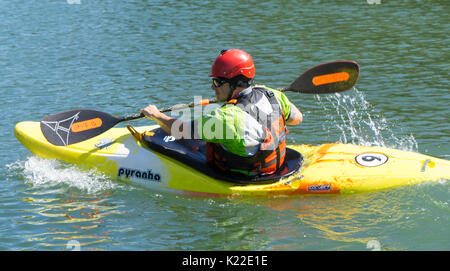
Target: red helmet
<point>231,63</point>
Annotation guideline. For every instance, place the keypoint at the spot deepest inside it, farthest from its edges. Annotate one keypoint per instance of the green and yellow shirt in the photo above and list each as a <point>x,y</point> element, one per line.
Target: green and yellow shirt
<point>233,128</point>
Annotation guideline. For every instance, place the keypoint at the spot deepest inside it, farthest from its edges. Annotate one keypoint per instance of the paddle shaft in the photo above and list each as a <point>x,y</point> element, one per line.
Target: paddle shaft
<point>169,109</point>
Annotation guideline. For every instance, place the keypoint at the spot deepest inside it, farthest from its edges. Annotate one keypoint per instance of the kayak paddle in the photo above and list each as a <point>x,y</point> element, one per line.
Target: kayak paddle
<point>75,126</point>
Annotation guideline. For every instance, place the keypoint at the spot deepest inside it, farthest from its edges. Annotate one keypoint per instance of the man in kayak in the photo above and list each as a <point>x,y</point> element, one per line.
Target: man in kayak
<point>247,134</point>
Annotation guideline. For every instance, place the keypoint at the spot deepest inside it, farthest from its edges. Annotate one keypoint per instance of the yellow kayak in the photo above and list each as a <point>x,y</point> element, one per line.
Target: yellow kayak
<point>154,159</point>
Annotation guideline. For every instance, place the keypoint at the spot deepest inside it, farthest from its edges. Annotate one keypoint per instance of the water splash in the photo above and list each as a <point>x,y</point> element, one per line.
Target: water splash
<point>357,122</point>
<point>54,174</point>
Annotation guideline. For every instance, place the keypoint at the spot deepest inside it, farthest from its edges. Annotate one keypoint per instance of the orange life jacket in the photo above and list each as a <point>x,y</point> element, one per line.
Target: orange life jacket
<point>271,154</point>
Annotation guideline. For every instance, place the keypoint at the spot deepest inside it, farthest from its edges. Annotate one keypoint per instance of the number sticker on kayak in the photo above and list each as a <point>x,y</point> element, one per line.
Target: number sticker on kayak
<point>371,159</point>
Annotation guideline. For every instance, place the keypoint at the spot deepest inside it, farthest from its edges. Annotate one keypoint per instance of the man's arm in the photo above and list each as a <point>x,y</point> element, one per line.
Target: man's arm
<point>295,117</point>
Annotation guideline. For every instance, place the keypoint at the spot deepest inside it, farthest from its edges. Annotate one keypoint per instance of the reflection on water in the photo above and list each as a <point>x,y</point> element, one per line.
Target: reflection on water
<point>197,223</point>
<point>360,222</point>
<point>69,216</point>
<point>357,222</point>
<point>63,204</point>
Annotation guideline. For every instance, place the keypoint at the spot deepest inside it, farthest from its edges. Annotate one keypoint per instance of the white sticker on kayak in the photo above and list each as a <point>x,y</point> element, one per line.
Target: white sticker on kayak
<point>371,159</point>
<point>169,139</point>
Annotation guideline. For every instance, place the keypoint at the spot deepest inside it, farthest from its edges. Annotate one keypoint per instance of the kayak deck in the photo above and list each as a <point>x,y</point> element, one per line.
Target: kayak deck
<point>326,169</point>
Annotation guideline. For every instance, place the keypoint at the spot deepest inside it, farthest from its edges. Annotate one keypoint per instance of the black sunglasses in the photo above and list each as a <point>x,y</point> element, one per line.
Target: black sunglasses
<point>218,82</point>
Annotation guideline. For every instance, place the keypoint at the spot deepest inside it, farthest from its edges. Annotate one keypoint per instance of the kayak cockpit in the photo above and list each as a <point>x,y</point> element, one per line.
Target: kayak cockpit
<point>193,153</point>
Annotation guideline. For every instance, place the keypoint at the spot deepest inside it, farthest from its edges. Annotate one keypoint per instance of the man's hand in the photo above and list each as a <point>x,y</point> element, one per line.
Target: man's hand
<point>152,112</point>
